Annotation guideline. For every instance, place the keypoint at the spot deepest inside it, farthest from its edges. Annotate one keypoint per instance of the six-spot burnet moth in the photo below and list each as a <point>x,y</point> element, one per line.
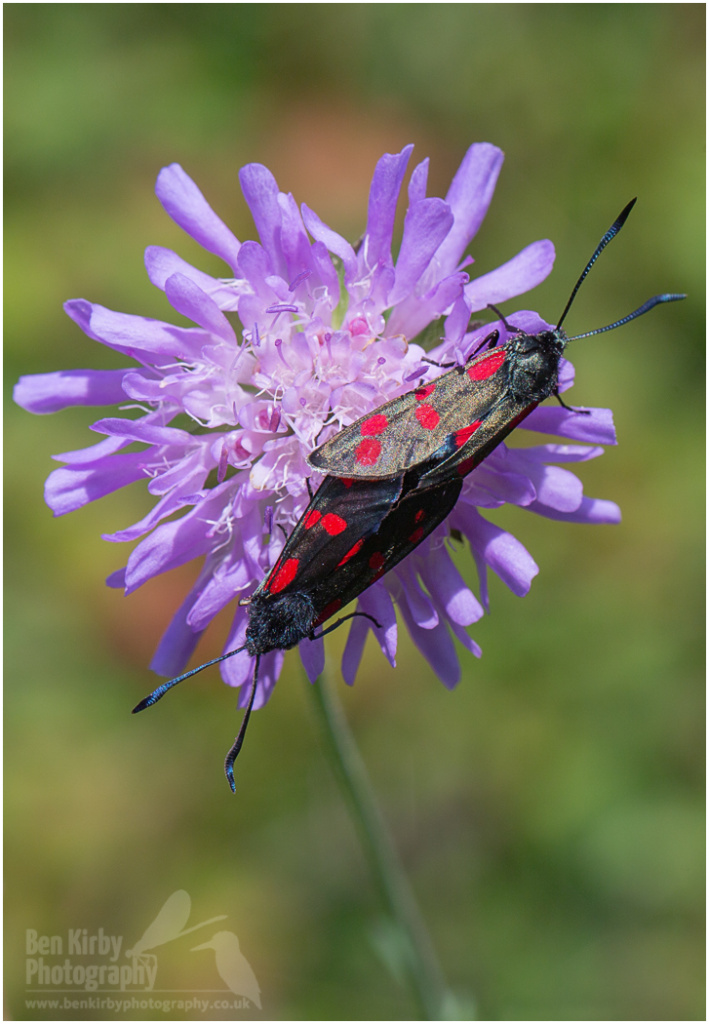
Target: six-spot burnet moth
<point>391,478</point>
<point>350,535</point>
<point>457,419</point>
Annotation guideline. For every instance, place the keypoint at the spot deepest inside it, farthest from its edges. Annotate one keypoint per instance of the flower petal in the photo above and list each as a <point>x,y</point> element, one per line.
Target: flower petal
<point>419,603</point>
<point>172,544</point>
<point>505,555</point>
<point>178,642</point>
<point>426,225</point>
<point>592,511</point>
<point>595,426</point>
<point>312,654</point>
<point>68,488</point>
<point>180,496</point>
<point>189,299</point>
<point>383,197</point>
<point>414,313</point>
<point>163,263</point>
<point>136,336</point>
<point>50,392</point>
<point>145,433</point>
<point>375,602</point>
<point>526,270</point>
<point>261,194</point>
<point>93,453</point>
<point>184,202</point>
<point>223,585</point>
<point>418,182</point>
<point>469,197</point>
<point>448,588</point>
<point>551,485</point>
<point>335,243</point>
<point>434,643</point>
<point>562,452</point>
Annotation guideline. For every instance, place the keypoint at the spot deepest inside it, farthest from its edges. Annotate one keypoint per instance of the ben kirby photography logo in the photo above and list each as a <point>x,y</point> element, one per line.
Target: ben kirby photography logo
<point>89,961</point>
<point>50,962</point>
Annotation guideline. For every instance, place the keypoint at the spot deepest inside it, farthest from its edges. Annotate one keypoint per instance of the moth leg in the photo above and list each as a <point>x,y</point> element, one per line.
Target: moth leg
<point>508,326</point>
<point>344,618</point>
<point>441,366</point>
<point>569,408</point>
<point>490,340</point>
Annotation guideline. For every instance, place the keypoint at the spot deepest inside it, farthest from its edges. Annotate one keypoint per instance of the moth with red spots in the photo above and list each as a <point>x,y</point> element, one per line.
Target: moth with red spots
<point>391,478</point>
<point>350,535</point>
<point>456,420</point>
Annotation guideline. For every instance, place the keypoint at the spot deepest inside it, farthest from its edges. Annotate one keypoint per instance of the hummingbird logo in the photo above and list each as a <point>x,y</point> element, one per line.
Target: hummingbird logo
<point>232,966</point>
<point>170,924</point>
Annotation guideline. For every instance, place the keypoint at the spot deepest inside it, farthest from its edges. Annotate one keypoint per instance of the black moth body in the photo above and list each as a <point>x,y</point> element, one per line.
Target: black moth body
<point>391,478</point>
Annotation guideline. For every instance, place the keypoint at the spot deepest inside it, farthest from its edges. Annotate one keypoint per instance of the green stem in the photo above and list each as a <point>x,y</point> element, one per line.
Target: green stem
<point>418,956</point>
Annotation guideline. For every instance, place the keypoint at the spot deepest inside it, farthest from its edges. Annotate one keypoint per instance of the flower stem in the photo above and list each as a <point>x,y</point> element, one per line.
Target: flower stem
<point>409,940</point>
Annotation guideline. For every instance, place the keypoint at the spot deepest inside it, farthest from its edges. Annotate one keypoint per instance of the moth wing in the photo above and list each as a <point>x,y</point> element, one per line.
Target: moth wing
<point>466,449</point>
<point>341,513</point>
<point>408,430</point>
<point>405,526</point>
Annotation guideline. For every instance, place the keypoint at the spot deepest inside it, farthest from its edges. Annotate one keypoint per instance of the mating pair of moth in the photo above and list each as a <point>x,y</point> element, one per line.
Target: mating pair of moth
<point>392,477</point>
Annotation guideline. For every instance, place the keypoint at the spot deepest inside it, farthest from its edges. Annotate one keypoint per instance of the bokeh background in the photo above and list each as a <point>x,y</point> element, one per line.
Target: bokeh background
<point>550,811</point>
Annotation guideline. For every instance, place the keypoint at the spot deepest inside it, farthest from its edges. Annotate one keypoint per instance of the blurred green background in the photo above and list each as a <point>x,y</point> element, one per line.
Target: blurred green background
<point>550,811</point>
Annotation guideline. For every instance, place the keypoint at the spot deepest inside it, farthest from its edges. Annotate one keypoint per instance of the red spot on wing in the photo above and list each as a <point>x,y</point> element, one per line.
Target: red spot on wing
<point>424,392</point>
<point>333,524</point>
<point>347,481</point>
<point>378,563</point>
<point>374,425</point>
<point>417,536</point>
<point>419,515</point>
<point>461,436</point>
<point>311,518</point>
<point>368,451</point>
<point>352,552</point>
<point>285,575</point>
<point>488,366</point>
<point>427,417</point>
<point>329,610</point>
<point>467,465</point>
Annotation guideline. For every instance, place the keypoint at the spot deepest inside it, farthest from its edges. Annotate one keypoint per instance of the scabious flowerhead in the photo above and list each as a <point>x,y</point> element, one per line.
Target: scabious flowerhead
<point>304,335</point>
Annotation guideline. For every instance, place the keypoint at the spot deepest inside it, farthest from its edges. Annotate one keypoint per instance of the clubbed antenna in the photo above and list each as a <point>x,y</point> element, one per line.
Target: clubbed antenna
<point>654,301</point>
<point>609,235</point>
<point>236,746</point>
<point>160,691</point>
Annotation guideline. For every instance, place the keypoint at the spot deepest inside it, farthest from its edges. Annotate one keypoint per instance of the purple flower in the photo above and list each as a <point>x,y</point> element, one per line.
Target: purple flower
<point>323,335</point>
